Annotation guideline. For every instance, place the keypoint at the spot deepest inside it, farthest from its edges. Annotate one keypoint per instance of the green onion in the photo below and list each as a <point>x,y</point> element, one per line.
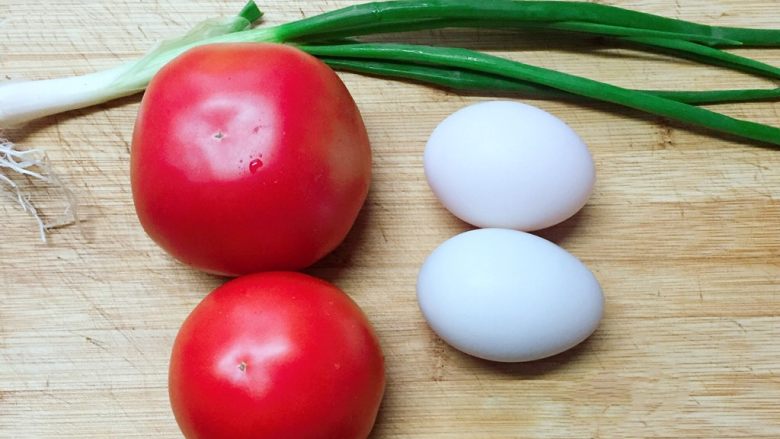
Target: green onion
<point>24,101</point>
<point>632,32</point>
<point>675,37</point>
<point>404,15</point>
<point>675,44</point>
<point>471,60</point>
<point>708,55</point>
<point>470,81</point>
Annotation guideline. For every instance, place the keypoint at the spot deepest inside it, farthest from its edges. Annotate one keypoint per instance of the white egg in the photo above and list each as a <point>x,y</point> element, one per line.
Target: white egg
<point>509,296</point>
<point>508,165</point>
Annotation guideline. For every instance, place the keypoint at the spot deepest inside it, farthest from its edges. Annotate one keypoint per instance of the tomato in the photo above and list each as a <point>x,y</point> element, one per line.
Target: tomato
<point>248,157</point>
<point>276,355</point>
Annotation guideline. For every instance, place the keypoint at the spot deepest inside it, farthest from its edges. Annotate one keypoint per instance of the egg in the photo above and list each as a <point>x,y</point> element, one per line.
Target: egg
<point>508,296</point>
<point>508,165</point>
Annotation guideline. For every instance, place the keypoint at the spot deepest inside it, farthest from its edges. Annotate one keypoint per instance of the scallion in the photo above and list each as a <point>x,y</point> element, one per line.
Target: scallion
<point>24,101</point>
<point>475,81</point>
<point>471,60</point>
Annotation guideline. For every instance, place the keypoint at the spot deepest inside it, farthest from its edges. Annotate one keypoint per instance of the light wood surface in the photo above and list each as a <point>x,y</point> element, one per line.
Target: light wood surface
<point>682,232</point>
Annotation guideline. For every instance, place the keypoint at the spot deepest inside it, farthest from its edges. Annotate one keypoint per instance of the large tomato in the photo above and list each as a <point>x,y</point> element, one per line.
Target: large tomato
<point>248,157</point>
<point>276,355</point>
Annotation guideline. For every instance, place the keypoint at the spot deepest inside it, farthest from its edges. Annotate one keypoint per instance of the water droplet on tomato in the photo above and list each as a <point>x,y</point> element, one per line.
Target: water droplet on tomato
<point>254,165</point>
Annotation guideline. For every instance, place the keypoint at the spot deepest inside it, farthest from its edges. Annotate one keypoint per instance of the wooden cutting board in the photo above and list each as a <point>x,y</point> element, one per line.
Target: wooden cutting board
<point>682,232</point>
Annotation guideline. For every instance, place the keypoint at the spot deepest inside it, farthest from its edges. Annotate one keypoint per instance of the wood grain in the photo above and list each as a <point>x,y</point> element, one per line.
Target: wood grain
<point>682,232</point>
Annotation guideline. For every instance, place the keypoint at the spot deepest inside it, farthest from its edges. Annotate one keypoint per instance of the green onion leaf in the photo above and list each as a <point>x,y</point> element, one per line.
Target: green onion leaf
<point>471,60</point>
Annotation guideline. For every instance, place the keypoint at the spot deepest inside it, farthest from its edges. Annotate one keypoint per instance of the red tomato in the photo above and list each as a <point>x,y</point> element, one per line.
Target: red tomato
<point>248,157</point>
<point>276,355</point>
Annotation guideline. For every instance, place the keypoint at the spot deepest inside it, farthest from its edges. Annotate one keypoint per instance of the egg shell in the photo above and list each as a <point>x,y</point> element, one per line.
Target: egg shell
<point>508,165</point>
<point>508,296</point>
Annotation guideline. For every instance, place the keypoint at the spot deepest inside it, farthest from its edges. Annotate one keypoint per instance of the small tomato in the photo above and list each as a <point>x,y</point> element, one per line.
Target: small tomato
<point>248,157</point>
<point>276,355</point>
